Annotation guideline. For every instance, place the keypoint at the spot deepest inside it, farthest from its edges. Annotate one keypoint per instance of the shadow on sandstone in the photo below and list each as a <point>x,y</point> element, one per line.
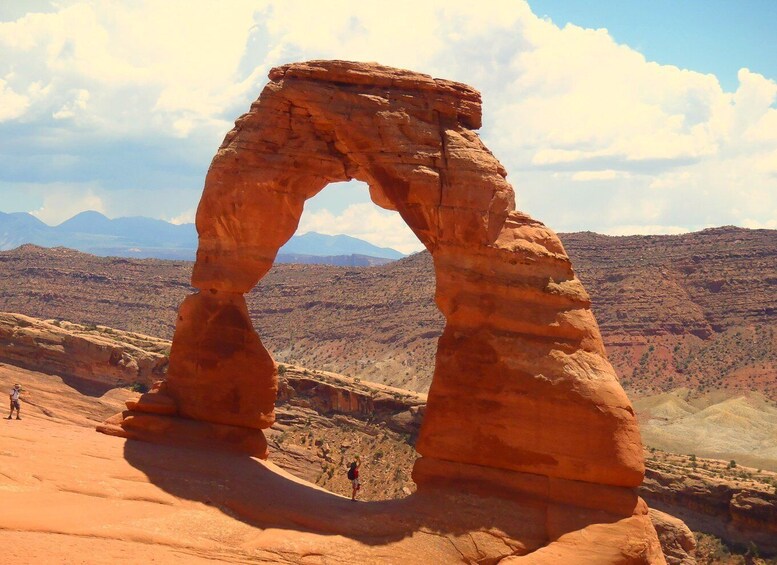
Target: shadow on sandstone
<point>88,387</point>
<point>264,496</point>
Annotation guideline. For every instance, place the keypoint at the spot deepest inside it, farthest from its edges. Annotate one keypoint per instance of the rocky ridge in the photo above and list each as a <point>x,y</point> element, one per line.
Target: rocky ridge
<point>696,310</point>
<point>98,355</point>
<point>381,323</point>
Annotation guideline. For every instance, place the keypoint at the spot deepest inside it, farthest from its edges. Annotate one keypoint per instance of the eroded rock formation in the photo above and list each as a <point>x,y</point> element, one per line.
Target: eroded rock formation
<point>98,355</point>
<point>523,400</point>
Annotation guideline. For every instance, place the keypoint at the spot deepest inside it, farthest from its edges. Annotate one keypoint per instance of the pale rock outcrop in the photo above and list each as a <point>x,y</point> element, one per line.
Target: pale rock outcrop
<point>99,355</point>
<point>677,540</point>
<point>740,516</point>
<point>523,400</point>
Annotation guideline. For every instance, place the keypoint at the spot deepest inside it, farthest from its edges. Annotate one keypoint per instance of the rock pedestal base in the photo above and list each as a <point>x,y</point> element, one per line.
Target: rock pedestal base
<point>582,522</point>
<point>155,419</point>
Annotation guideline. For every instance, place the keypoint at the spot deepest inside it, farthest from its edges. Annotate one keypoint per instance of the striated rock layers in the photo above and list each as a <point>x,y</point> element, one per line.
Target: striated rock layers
<point>523,399</point>
<point>92,356</point>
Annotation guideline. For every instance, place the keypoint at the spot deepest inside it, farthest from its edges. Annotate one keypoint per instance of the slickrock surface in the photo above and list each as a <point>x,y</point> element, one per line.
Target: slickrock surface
<point>75,496</point>
<point>98,355</point>
<point>324,420</point>
<point>733,503</point>
<point>523,402</point>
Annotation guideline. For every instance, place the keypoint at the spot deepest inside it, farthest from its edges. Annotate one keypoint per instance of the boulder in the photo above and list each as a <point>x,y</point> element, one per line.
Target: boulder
<point>677,540</point>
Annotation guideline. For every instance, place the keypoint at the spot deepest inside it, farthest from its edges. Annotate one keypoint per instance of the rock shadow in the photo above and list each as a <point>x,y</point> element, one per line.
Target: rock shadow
<point>87,387</point>
<point>264,496</point>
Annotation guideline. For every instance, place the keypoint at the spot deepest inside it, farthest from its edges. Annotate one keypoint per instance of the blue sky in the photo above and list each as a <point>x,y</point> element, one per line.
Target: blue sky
<point>707,36</point>
<point>611,116</point>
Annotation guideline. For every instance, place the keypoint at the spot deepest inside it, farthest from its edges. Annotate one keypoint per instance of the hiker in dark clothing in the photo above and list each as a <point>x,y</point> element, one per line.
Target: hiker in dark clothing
<point>353,475</point>
<point>14,396</point>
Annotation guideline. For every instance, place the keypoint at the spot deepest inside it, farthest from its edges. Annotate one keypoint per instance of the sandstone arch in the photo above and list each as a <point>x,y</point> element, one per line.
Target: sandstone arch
<point>523,398</point>
<point>521,381</point>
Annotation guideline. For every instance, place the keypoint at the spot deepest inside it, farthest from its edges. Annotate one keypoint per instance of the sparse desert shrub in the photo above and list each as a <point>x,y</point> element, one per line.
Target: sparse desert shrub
<point>138,387</point>
<point>752,550</point>
<point>732,464</point>
<point>281,369</point>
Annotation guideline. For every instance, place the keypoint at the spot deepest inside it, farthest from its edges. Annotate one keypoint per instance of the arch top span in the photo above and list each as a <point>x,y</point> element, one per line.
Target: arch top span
<point>407,135</point>
<point>521,385</point>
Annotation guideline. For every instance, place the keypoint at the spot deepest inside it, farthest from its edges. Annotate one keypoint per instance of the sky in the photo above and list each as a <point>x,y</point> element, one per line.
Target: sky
<point>615,116</point>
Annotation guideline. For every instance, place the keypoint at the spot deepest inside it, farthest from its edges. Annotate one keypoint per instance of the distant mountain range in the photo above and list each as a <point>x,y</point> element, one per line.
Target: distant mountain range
<point>140,237</point>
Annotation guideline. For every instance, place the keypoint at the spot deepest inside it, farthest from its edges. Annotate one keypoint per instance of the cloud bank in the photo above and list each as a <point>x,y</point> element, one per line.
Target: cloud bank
<point>123,105</point>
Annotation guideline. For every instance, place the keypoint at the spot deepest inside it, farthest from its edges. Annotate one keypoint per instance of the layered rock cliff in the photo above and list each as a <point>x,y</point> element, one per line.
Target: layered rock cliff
<point>382,324</point>
<point>98,355</point>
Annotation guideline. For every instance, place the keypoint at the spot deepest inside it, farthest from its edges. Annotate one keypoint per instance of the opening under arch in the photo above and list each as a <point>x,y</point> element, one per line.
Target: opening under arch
<point>521,382</point>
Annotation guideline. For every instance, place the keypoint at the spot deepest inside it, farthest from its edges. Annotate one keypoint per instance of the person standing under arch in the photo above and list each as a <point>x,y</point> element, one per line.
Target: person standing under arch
<point>353,475</point>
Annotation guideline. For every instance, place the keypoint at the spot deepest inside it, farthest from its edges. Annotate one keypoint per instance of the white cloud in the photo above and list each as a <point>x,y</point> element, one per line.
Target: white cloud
<point>758,225</point>
<point>61,203</point>
<point>365,221</point>
<point>69,109</point>
<point>147,64</point>
<point>593,134</point>
<point>672,179</point>
<point>608,174</point>
<point>187,217</point>
<point>12,105</point>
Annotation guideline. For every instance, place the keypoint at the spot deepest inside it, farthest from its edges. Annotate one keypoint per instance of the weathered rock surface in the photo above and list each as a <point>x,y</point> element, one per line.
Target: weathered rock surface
<point>677,540</point>
<point>212,394</point>
<point>328,393</point>
<point>107,499</point>
<point>523,402</point>
<point>99,355</point>
<point>738,515</point>
<point>712,499</point>
<point>516,315</point>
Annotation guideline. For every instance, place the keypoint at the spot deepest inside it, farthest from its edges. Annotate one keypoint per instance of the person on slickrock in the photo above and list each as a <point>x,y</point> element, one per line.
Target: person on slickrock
<point>353,476</point>
<point>15,401</point>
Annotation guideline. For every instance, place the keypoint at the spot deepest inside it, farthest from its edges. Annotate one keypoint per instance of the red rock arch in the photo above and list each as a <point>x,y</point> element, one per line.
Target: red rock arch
<point>521,382</point>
